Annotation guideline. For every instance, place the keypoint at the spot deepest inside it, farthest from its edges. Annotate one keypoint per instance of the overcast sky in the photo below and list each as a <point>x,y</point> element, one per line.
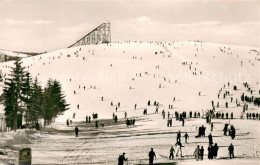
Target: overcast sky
<point>41,25</point>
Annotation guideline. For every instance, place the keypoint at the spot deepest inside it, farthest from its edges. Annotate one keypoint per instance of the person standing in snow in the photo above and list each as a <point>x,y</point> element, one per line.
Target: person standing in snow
<point>210,154</point>
<point>171,153</point>
<point>67,122</point>
<point>86,119</point>
<point>179,136</point>
<point>151,156</point>
<point>210,139</point>
<point>231,151</point>
<point>197,153</point>
<point>215,150</point>
<point>211,126</point>
<point>186,136</point>
<point>76,131</point>
<point>201,152</point>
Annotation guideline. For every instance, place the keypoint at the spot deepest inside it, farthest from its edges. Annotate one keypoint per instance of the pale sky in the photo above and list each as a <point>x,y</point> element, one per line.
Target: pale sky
<point>45,25</point>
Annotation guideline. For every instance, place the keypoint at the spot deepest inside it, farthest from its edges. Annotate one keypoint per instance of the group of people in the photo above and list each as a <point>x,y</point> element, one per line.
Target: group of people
<point>130,122</point>
<point>230,129</point>
<point>198,153</point>
<point>201,132</point>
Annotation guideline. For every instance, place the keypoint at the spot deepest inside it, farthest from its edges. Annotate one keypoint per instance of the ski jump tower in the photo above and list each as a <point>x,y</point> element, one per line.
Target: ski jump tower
<point>101,34</point>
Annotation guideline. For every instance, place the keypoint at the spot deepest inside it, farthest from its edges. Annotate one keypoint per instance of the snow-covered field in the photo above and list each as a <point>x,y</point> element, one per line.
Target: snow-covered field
<point>112,69</point>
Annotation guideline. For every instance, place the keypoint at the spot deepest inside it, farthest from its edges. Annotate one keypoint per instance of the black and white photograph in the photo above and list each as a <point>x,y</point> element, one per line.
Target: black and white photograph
<point>129,82</point>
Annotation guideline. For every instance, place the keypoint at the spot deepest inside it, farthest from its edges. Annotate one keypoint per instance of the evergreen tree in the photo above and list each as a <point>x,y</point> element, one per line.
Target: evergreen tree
<point>48,103</point>
<point>26,97</point>
<point>36,102</point>
<point>10,113</point>
<point>13,86</point>
<point>54,101</point>
<point>58,98</point>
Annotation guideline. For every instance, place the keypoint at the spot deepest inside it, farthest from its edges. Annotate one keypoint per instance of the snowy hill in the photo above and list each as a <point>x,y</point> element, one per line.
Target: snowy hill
<point>187,75</point>
<point>213,66</point>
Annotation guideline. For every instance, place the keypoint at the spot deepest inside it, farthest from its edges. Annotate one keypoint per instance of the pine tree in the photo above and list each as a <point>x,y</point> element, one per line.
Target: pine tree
<point>54,101</point>
<point>26,92</point>
<point>36,102</point>
<point>58,98</point>
<point>12,90</point>
<point>9,104</point>
<point>48,103</point>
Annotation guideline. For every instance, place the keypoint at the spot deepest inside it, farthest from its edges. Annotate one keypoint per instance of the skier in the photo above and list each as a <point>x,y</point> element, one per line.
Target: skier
<point>121,159</point>
<point>179,145</point>
<point>78,106</point>
<point>151,156</point>
<point>76,131</point>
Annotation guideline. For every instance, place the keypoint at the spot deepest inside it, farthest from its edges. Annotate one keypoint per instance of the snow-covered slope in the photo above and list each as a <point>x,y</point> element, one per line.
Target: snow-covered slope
<point>112,69</point>
<point>13,54</point>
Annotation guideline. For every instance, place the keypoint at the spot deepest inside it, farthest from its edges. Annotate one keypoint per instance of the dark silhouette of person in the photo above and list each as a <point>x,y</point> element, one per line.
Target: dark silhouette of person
<point>171,153</point>
<point>179,136</point>
<point>210,154</point>
<point>67,122</point>
<point>151,156</point>
<point>231,151</point>
<point>210,139</point>
<point>215,150</point>
<point>76,131</point>
<point>121,159</point>
<point>186,136</point>
<point>201,152</point>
